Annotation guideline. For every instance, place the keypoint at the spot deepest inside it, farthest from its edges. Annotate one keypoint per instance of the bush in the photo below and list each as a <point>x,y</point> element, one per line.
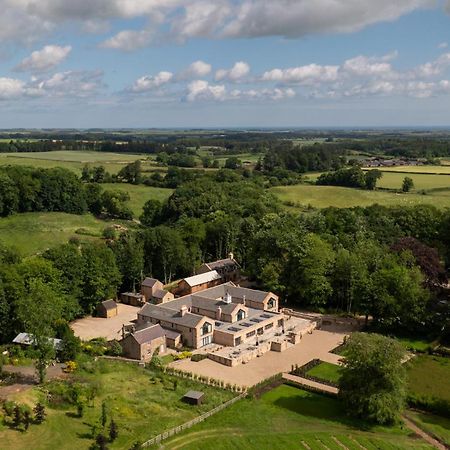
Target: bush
<point>199,357</point>
<point>182,355</point>
<point>114,348</point>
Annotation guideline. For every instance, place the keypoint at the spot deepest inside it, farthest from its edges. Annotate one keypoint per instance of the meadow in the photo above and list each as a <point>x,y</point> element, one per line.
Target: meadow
<point>290,418</point>
<point>443,169</point>
<point>32,233</point>
<point>143,404</point>
<point>139,194</point>
<point>303,195</point>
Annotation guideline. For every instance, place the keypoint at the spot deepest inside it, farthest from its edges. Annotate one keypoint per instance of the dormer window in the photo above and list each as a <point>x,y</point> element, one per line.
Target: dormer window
<point>206,328</point>
<point>240,315</point>
<point>271,303</point>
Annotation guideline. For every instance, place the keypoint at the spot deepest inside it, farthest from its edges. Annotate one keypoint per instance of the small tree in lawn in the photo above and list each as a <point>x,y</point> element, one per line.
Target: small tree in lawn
<point>408,184</point>
<point>101,442</point>
<point>26,418</point>
<point>39,413</point>
<point>113,431</point>
<point>373,380</point>
<point>104,416</point>
<point>17,416</point>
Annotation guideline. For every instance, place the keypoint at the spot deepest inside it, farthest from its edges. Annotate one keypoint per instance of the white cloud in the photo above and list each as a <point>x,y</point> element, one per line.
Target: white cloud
<point>239,71</point>
<point>148,83</point>
<point>443,45</point>
<point>45,59</point>
<point>197,69</point>
<point>370,66</point>
<point>435,67</point>
<point>267,94</point>
<point>309,74</point>
<point>11,88</point>
<point>202,90</point>
<point>128,40</point>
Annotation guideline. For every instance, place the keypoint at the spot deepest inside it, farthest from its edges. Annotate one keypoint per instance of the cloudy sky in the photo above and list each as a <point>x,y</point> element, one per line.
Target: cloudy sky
<point>224,63</point>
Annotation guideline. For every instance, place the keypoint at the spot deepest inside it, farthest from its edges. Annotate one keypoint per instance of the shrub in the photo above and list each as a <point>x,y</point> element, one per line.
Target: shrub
<point>198,357</point>
<point>114,348</point>
<point>182,355</point>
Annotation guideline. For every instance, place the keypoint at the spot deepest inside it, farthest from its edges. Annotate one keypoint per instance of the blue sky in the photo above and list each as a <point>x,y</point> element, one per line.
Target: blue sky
<point>227,63</point>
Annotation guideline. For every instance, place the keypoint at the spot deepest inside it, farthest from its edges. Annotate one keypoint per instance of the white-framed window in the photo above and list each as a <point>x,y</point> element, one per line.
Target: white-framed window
<point>206,340</point>
<point>240,315</point>
<point>206,328</point>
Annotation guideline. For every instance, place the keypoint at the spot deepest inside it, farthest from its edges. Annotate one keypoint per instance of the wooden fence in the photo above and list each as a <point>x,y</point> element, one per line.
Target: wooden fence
<point>167,434</point>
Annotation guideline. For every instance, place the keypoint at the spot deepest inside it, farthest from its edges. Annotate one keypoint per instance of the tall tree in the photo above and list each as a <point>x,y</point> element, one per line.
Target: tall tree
<point>373,380</point>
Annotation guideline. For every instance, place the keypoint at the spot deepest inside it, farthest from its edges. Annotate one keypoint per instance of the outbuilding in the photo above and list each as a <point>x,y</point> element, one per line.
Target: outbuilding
<point>107,309</point>
<point>194,397</point>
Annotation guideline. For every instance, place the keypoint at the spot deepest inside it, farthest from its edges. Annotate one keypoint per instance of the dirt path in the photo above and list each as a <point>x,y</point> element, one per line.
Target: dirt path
<point>423,434</point>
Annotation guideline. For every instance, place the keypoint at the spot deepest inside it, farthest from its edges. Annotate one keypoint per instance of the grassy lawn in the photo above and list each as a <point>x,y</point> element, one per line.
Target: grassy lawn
<point>287,417</point>
<point>393,180</point>
<point>416,344</point>
<point>326,371</point>
<point>435,425</point>
<point>303,195</point>
<point>139,194</point>
<point>31,233</point>
<point>141,408</point>
<point>430,376</point>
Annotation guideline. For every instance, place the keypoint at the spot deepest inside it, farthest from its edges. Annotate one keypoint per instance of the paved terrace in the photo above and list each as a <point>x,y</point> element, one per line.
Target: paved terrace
<point>315,345</point>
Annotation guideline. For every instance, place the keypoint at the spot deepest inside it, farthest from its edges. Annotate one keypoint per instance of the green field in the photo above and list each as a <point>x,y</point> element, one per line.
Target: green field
<point>75,160</point>
<point>304,195</point>
<point>289,418</point>
<point>326,371</point>
<point>141,407</point>
<point>430,376</point>
<point>139,194</point>
<point>393,180</point>
<point>33,233</point>
<point>417,169</point>
<point>435,425</point>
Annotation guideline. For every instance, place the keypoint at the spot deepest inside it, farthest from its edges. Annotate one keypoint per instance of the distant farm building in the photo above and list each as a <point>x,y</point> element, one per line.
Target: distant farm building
<point>107,309</point>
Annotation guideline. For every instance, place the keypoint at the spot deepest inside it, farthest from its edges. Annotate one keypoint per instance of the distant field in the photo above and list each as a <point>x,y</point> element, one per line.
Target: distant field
<point>32,233</point>
<point>75,160</point>
<point>326,196</point>
<point>140,194</point>
<point>417,169</point>
<point>289,418</point>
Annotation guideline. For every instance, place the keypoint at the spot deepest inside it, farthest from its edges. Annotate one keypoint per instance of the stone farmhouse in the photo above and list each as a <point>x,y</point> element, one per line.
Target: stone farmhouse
<point>228,269</point>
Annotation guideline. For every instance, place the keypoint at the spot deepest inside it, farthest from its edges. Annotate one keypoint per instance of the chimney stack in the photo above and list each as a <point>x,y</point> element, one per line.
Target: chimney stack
<point>218,313</point>
<point>183,310</point>
<point>231,255</point>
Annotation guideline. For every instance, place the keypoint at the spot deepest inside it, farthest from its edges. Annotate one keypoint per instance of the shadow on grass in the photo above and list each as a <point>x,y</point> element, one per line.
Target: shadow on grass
<point>320,407</point>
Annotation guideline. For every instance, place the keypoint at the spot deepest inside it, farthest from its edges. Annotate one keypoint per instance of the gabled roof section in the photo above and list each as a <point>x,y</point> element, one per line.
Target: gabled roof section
<point>109,305</point>
<point>160,293</point>
<point>150,282</point>
<point>148,334</point>
<point>203,278</point>
<point>222,263</point>
<point>159,312</point>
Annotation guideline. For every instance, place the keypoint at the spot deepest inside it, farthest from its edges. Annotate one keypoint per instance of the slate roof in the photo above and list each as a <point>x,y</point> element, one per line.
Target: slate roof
<point>212,305</point>
<point>159,312</point>
<point>149,282</point>
<point>148,334</point>
<point>109,305</point>
<point>222,263</point>
<point>195,395</point>
<point>160,293</point>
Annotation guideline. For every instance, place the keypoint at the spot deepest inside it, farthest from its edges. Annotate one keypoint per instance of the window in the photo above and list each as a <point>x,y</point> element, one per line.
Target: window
<point>268,326</point>
<point>241,314</point>
<point>206,328</point>
<point>249,335</point>
<point>271,303</point>
<point>206,340</point>
<point>237,341</point>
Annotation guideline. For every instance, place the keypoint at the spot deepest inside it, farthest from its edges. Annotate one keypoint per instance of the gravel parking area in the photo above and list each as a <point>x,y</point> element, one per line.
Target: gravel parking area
<point>95,327</point>
<point>315,345</point>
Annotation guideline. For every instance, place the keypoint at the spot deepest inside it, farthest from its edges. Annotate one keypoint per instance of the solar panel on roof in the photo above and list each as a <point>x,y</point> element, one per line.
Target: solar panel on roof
<point>234,329</point>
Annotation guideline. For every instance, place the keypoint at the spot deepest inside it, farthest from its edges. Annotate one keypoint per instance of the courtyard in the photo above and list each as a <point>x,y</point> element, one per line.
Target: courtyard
<point>317,345</point>
<point>98,327</point>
